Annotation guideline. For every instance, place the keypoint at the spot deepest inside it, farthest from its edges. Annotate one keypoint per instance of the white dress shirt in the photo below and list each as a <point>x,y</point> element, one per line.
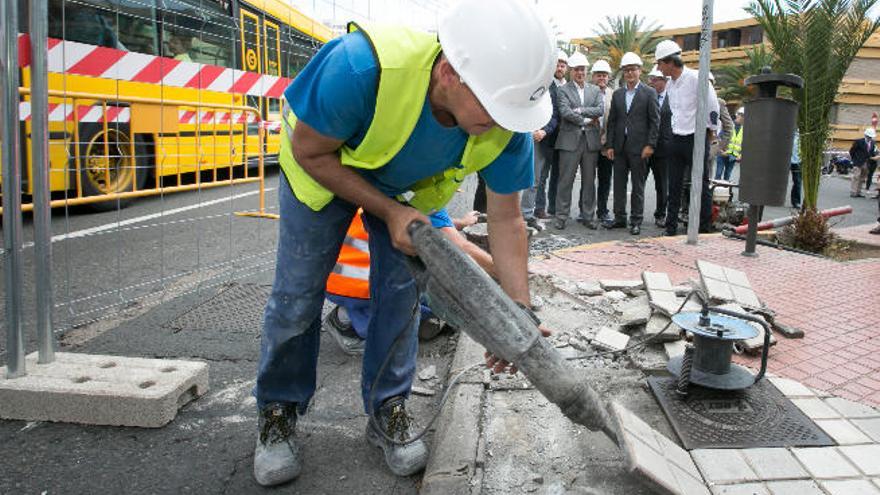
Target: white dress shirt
<point>682,94</point>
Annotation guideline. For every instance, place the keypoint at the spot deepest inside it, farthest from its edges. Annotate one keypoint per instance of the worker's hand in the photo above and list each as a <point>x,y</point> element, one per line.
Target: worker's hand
<point>610,153</point>
<point>539,135</point>
<point>647,152</point>
<point>498,365</point>
<point>397,223</point>
<point>468,219</point>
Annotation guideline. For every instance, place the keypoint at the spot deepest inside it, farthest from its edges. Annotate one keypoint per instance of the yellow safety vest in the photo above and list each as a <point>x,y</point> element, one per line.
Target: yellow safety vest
<point>734,148</point>
<point>406,58</point>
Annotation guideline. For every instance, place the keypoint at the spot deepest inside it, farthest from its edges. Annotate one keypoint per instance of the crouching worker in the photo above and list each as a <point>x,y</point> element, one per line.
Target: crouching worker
<point>393,120</point>
<point>348,286</point>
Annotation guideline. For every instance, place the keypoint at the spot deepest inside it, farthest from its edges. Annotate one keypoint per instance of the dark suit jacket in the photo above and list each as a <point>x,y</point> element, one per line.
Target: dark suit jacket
<point>664,136</point>
<point>552,127</point>
<point>631,131</point>
<point>859,152</point>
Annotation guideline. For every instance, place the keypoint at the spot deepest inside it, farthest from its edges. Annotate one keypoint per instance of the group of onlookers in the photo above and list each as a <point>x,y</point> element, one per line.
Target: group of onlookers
<point>616,138</point>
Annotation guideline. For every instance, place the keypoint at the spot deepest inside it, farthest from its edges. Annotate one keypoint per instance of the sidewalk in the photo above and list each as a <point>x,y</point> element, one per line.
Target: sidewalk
<point>498,435</point>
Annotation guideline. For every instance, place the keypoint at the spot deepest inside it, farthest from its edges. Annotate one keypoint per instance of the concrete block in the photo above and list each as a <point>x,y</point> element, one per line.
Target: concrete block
<point>657,281</point>
<point>736,277</point>
<point>800,487</point>
<point>843,432</point>
<point>815,408</point>
<point>745,296</point>
<point>744,489</point>
<point>718,290</point>
<point>870,427</point>
<point>589,289</point>
<point>674,349</point>
<point>635,312</point>
<point>791,388</point>
<point>865,457</point>
<point>658,323</point>
<point>621,285</point>
<point>102,390</point>
<point>723,466</point>
<point>852,410</point>
<point>774,464</point>
<point>611,340</point>
<point>825,463</point>
<point>850,487</point>
<point>453,458</point>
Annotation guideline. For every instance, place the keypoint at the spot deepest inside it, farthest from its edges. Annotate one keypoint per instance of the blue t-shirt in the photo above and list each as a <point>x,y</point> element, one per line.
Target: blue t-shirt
<point>440,219</point>
<point>335,94</point>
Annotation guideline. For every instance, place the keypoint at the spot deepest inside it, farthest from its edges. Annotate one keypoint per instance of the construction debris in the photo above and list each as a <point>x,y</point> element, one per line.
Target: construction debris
<point>661,323</point>
<point>428,373</point>
<point>610,339</point>
<point>621,285</point>
<point>635,312</point>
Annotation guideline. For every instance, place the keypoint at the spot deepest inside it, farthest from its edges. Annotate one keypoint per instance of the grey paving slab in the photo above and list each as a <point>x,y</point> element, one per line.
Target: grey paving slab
<point>815,408</point>
<point>102,390</point>
<point>736,277</point>
<point>745,296</point>
<point>718,290</point>
<point>825,463</point>
<point>621,285</point>
<point>791,388</point>
<point>657,281</point>
<point>798,487</point>
<point>850,409</point>
<point>610,339</point>
<point>710,270</point>
<point>850,487</point>
<point>843,432</point>
<point>865,457</point>
<point>660,328</point>
<point>877,482</point>
<point>723,466</point>
<point>871,427</point>
<point>774,464</point>
<point>635,312</point>
<point>743,489</point>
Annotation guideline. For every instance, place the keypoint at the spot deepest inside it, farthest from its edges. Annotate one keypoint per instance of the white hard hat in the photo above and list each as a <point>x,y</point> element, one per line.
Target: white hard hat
<point>870,132</point>
<point>578,59</point>
<point>741,111</point>
<point>562,56</point>
<point>655,72</point>
<point>666,48</point>
<point>509,75</point>
<point>600,66</point>
<point>630,58</point>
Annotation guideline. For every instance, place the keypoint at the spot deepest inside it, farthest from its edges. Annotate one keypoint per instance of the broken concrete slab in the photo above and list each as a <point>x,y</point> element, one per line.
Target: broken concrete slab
<point>657,281</point>
<point>674,349</point>
<point>635,312</point>
<point>611,340</point>
<point>671,307</point>
<point>589,289</point>
<point>661,329</point>
<point>429,373</point>
<point>621,285</point>
<point>788,331</point>
<point>102,390</point>
<point>724,284</point>
<point>616,295</point>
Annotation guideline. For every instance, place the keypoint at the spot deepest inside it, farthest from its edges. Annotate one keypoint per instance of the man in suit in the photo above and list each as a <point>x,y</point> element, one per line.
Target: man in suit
<point>657,163</point>
<point>601,72</point>
<point>861,151</point>
<point>544,138</point>
<point>580,106</point>
<point>633,127</point>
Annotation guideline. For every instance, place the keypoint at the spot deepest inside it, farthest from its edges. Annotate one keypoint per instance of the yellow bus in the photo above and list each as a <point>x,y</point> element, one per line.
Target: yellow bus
<point>163,95</point>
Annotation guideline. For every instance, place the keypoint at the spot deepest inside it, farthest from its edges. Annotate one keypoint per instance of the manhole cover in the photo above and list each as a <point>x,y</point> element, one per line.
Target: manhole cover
<point>759,416</point>
<point>237,308</point>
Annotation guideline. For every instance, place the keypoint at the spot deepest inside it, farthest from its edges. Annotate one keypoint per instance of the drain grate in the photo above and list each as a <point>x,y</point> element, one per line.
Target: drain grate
<point>238,308</point>
<point>759,416</point>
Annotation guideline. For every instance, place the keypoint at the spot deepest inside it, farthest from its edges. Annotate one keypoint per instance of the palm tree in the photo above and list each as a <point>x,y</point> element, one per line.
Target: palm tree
<point>817,40</point>
<point>730,78</point>
<point>621,34</point>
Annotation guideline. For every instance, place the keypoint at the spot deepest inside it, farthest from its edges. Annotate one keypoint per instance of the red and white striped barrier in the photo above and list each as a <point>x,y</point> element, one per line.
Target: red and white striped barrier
<point>782,222</point>
<point>65,112</point>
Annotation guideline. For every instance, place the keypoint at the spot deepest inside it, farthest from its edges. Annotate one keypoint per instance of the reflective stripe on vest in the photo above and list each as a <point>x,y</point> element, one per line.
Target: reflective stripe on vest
<point>351,275</point>
<point>406,58</point>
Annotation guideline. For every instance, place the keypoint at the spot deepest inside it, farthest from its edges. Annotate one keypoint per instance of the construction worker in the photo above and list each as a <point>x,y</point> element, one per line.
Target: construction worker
<point>348,285</point>
<point>683,92</point>
<point>393,120</point>
<point>734,148</point>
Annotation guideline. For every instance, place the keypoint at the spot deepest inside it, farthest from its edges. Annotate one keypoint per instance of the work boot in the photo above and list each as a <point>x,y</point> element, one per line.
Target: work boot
<point>392,418</point>
<point>534,223</point>
<point>343,333</point>
<point>276,458</point>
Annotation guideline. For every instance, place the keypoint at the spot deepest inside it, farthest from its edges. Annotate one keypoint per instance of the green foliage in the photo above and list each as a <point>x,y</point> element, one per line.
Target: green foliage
<point>817,40</point>
<point>621,34</point>
<point>730,79</point>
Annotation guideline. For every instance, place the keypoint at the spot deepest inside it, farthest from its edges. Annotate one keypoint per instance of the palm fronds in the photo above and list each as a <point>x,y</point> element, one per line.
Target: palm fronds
<point>621,34</point>
<point>730,79</point>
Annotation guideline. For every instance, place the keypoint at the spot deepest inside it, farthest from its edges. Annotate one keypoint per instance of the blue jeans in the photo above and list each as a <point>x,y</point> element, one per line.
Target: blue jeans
<point>308,245</point>
<point>724,167</point>
<point>795,185</point>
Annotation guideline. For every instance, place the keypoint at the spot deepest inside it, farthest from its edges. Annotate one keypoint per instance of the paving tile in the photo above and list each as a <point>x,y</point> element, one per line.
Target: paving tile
<point>843,432</point>
<point>661,323</point>
<point>718,290</point>
<point>621,285</point>
<point>865,457</point>
<point>610,339</point>
<point>871,427</point>
<point>800,487</point>
<point>877,482</point>
<point>744,489</point>
<point>711,270</point>
<point>635,312</point>
<point>657,281</point>
<point>745,296</point>
<point>850,487</point>
<point>850,409</point>
<point>674,349</point>
<point>815,408</point>
<point>677,455</point>
<point>723,466</point>
<point>688,485</point>
<point>825,463</point>
<point>774,464</point>
<point>648,463</point>
<point>791,388</point>
<point>736,277</point>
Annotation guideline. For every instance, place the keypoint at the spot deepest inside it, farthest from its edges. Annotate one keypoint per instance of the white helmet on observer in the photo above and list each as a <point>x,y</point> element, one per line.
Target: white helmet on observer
<point>630,58</point>
<point>601,66</point>
<point>578,59</point>
<point>562,56</point>
<point>509,74</point>
<point>666,48</point>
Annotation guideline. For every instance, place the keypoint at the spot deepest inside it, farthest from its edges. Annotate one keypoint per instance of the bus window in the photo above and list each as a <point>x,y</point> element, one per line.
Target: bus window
<point>297,50</point>
<point>123,24</point>
<point>201,32</point>
<point>271,39</point>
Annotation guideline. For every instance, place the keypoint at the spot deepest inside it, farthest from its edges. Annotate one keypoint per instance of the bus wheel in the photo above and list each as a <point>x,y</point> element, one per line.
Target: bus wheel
<point>107,165</point>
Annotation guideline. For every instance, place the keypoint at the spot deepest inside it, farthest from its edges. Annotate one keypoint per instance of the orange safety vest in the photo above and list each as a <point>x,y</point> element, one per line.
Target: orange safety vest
<point>351,275</point>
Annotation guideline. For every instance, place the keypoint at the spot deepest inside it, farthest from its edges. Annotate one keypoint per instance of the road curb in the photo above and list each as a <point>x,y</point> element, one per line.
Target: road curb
<point>453,466</point>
